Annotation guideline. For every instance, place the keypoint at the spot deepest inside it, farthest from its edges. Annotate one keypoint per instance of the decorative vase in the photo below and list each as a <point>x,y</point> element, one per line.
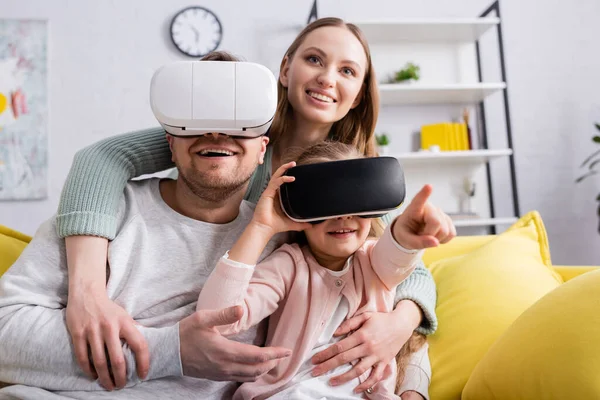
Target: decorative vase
<point>383,150</point>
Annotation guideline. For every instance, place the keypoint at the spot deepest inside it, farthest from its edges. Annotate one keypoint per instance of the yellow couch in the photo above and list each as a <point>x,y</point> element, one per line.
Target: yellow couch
<point>471,320</point>
<point>484,284</point>
<point>470,243</point>
<point>12,244</point>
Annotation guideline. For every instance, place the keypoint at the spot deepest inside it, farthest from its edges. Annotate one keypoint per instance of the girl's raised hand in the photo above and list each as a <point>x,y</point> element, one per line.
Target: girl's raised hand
<point>268,212</point>
<point>422,224</point>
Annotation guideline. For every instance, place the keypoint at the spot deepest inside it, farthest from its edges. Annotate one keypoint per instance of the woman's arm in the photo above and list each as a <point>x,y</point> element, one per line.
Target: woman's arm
<point>96,321</point>
<point>94,187</point>
<point>419,288</point>
<point>89,206</point>
<point>35,346</point>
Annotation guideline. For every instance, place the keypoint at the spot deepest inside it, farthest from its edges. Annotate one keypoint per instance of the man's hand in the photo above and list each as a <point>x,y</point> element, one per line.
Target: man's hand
<point>205,353</point>
<point>97,323</point>
<point>422,224</point>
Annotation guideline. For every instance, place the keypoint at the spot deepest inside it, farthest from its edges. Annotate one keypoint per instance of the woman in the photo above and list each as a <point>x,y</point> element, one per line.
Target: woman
<point>327,89</point>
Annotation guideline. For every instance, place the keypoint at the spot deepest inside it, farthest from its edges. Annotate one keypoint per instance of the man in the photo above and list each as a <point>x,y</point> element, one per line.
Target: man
<point>158,261</point>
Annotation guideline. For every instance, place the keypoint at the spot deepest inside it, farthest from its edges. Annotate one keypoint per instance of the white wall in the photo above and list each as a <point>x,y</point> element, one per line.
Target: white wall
<point>102,55</point>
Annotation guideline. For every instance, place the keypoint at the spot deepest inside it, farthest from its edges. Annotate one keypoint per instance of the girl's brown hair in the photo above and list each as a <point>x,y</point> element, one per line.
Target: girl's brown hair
<point>358,126</point>
<point>414,343</point>
<point>335,151</point>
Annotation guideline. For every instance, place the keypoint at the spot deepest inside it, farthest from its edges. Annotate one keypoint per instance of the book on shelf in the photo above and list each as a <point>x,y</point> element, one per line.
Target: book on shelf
<point>448,136</point>
<point>461,216</point>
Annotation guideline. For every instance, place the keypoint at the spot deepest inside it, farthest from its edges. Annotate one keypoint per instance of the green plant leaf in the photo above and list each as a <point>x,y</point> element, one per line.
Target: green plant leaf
<point>410,71</point>
<point>596,139</point>
<point>597,126</point>
<point>590,158</point>
<point>592,165</point>
<point>582,177</point>
<point>598,198</point>
<point>382,140</point>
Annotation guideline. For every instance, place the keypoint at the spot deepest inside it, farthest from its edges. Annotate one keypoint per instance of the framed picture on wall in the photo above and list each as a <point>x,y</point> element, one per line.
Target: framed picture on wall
<point>23,109</point>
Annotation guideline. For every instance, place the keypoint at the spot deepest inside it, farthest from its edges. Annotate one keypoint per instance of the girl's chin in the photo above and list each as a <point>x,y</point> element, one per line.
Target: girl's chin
<point>341,252</point>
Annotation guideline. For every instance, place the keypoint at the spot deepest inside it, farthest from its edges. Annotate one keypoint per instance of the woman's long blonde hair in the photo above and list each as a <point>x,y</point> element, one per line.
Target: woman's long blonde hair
<point>357,128</point>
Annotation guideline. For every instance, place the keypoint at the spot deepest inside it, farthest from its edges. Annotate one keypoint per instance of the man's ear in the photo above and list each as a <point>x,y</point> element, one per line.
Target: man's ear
<point>264,141</point>
<point>285,69</point>
<point>358,98</point>
<point>170,140</point>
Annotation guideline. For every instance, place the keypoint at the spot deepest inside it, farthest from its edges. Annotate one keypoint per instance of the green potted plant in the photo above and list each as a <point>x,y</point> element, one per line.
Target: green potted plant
<point>591,165</point>
<point>383,142</point>
<point>410,72</point>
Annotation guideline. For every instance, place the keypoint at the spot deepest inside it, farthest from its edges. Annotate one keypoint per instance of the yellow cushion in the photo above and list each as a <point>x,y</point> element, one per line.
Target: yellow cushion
<point>458,246</point>
<point>12,244</point>
<point>572,271</point>
<point>552,351</point>
<point>480,294</point>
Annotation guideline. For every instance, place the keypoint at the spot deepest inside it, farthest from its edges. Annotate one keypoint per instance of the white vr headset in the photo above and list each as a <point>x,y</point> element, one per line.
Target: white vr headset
<point>193,98</point>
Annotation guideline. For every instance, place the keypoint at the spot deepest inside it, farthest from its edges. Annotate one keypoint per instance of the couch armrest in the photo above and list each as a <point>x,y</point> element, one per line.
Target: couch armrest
<point>569,272</point>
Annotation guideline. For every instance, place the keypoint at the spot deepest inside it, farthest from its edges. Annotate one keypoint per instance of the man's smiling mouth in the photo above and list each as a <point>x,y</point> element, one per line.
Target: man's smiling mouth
<point>216,153</point>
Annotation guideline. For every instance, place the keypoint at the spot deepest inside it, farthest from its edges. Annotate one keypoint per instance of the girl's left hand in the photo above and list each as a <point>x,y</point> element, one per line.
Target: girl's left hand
<point>373,343</point>
<point>268,212</point>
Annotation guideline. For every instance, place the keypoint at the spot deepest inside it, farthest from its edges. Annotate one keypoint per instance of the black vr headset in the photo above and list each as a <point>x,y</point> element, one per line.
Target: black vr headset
<point>365,187</point>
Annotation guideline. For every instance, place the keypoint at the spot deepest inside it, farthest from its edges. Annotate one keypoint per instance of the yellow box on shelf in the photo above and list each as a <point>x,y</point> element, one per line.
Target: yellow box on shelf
<point>448,136</point>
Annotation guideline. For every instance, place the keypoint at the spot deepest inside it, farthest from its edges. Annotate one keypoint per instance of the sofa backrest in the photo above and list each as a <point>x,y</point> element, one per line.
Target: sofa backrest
<point>458,246</point>
<point>12,244</point>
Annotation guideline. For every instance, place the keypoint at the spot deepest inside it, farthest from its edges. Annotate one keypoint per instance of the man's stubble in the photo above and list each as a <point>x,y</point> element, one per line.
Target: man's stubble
<point>209,186</point>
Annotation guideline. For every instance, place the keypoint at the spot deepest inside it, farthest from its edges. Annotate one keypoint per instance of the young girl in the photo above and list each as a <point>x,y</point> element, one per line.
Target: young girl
<point>327,89</point>
<point>308,291</point>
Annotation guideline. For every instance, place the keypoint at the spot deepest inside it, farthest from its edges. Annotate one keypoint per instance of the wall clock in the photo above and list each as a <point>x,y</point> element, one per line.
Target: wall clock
<point>196,31</point>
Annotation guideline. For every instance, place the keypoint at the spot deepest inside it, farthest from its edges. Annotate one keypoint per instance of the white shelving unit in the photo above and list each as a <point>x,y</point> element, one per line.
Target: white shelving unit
<point>427,30</point>
<point>447,52</point>
<point>471,157</point>
<point>462,223</point>
<point>398,94</point>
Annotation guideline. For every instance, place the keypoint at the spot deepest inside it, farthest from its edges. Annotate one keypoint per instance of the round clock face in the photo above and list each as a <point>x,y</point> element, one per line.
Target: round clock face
<point>196,31</point>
